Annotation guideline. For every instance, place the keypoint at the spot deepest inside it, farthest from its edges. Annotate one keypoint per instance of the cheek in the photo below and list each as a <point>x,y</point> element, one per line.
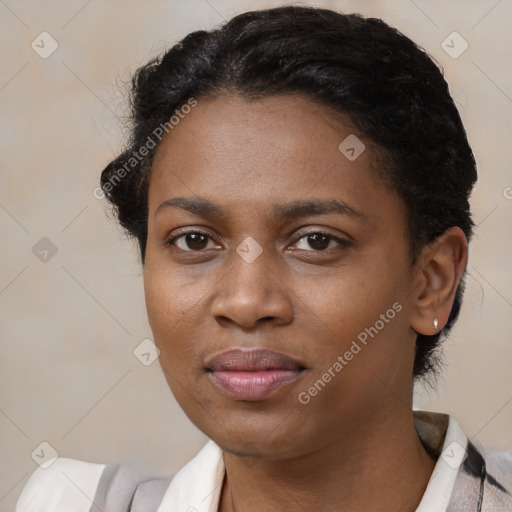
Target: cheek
<point>168,298</point>
<point>350,299</point>
<point>173,310</point>
<point>164,315</point>
<point>170,313</point>
<point>365,312</point>
<point>157,301</point>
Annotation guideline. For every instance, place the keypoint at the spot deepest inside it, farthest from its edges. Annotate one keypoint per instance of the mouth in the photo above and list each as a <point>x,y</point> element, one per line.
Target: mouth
<point>252,375</point>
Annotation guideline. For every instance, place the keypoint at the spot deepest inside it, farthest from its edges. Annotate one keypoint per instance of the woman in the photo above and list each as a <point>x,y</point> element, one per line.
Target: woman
<point>298,184</point>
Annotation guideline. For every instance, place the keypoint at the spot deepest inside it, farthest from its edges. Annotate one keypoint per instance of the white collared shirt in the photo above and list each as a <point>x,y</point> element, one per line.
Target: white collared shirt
<point>460,475</point>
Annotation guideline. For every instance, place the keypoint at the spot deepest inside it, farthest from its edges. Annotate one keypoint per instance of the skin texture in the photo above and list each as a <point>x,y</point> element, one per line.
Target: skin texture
<point>353,447</point>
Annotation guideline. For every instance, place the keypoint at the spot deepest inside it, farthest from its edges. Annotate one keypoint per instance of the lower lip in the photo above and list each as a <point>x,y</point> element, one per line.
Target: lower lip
<point>254,386</point>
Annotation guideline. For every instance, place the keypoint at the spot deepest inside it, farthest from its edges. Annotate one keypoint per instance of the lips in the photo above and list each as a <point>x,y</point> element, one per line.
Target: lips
<point>252,361</point>
<point>252,374</point>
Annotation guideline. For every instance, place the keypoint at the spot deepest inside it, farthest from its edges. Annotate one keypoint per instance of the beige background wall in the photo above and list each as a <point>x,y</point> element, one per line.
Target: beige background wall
<point>69,325</point>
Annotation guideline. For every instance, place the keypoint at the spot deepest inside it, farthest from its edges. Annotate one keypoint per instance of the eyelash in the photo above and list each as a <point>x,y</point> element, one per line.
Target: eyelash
<point>343,243</point>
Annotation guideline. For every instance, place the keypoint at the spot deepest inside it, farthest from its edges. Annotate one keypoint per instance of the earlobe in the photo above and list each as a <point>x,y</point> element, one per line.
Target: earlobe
<point>440,267</point>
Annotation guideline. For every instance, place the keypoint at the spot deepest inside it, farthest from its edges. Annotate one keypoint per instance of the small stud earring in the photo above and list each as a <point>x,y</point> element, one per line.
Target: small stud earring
<point>435,322</point>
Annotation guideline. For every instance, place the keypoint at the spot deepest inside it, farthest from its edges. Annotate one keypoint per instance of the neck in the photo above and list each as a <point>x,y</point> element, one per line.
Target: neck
<point>380,464</point>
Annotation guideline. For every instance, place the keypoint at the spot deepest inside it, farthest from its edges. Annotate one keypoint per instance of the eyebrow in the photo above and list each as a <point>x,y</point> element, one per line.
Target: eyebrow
<point>294,209</point>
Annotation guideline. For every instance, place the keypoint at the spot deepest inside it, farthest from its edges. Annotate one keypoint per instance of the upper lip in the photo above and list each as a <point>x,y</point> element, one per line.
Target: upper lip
<point>252,360</point>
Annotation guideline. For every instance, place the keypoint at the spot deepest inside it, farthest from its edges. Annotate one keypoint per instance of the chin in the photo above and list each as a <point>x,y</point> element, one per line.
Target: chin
<point>260,435</point>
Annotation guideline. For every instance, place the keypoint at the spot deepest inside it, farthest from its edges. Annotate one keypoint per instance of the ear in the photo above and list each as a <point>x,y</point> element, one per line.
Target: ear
<point>439,268</point>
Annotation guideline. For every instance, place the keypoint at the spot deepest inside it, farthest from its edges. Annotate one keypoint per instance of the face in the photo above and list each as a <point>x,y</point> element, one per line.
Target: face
<point>277,276</point>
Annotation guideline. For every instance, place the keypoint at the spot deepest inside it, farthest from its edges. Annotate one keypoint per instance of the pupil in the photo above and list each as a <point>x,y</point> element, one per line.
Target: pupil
<point>318,241</point>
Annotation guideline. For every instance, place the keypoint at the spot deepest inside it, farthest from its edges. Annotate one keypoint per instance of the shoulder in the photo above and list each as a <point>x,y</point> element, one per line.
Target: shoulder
<point>499,469</point>
<point>67,484</point>
<point>484,482</point>
<point>70,485</point>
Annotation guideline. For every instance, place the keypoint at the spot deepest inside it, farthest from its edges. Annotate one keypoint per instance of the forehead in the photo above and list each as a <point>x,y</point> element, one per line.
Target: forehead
<point>283,122</point>
<point>253,152</point>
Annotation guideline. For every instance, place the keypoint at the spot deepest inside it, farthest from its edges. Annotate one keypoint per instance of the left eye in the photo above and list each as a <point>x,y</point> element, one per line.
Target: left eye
<point>319,241</point>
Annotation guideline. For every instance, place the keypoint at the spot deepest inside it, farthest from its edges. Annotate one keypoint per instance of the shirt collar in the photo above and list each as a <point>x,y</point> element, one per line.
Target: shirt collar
<point>442,436</point>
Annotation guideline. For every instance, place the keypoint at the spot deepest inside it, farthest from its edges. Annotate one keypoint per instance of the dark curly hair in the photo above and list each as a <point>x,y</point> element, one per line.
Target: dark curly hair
<point>389,87</point>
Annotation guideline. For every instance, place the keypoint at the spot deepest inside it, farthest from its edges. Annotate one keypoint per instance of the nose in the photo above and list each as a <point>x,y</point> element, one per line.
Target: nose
<point>252,293</point>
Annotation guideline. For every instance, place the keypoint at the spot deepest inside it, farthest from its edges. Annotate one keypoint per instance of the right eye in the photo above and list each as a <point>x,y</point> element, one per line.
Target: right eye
<point>190,241</point>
